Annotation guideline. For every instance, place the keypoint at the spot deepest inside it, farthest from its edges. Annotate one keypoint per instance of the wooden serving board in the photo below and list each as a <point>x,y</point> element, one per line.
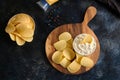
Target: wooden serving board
<point>74,30</point>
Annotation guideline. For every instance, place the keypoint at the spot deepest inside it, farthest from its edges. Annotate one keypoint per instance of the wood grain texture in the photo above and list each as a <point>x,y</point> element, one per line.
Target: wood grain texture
<point>74,30</point>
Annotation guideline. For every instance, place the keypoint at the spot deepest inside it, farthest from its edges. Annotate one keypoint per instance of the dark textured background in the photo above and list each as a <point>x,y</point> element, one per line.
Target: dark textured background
<point>29,62</point>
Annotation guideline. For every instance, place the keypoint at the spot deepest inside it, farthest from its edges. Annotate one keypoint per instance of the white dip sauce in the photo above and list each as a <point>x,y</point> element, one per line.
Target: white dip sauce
<point>86,48</point>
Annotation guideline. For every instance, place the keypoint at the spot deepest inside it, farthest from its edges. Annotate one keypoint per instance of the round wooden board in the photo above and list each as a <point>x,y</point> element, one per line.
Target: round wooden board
<point>73,29</point>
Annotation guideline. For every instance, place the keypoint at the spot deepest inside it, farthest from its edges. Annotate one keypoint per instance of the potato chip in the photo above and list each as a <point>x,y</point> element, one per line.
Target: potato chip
<point>57,57</point>
<point>24,31</point>
<point>10,28</point>
<point>28,39</point>
<point>74,67</point>
<point>21,18</point>
<point>87,39</point>
<point>60,45</point>
<point>19,41</point>
<point>70,41</point>
<point>11,20</point>
<point>87,62</point>
<point>17,34</point>
<point>28,25</point>
<point>78,57</point>
<point>50,2</point>
<point>69,46</point>
<point>65,62</point>
<point>69,53</point>
<point>32,23</point>
<point>12,36</point>
<point>65,36</point>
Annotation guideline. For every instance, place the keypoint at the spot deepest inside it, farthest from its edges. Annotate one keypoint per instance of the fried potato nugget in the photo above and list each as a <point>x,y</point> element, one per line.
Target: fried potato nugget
<point>57,57</point>
<point>65,36</point>
<point>87,62</point>
<point>65,62</point>
<point>60,45</point>
<point>74,67</point>
<point>69,53</point>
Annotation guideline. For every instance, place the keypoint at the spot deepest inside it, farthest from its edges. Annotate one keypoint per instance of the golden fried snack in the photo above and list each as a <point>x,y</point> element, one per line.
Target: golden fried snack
<point>27,39</point>
<point>69,53</point>
<point>74,67</point>
<point>19,41</point>
<point>87,62</point>
<point>65,62</point>
<point>57,57</point>
<point>65,36</point>
<point>19,18</point>
<point>70,41</point>
<point>50,2</point>
<point>10,28</point>
<point>78,57</point>
<point>12,36</point>
<point>87,39</point>
<point>21,26</point>
<point>69,46</point>
<point>24,30</point>
<point>60,45</point>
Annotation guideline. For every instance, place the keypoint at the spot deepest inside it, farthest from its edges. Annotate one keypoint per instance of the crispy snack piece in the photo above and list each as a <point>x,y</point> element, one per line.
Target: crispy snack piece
<point>12,36</point>
<point>50,2</point>
<point>24,30</point>
<point>60,45</point>
<point>20,18</point>
<point>87,39</point>
<point>65,62</point>
<point>74,67</point>
<point>10,28</point>
<point>70,41</point>
<point>57,57</point>
<point>65,36</point>
<point>69,46</point>
<point>69,53</point>
<point>27,39</point>
<point>87,62</point>
<point>78,57</point>
<point>19,41</point>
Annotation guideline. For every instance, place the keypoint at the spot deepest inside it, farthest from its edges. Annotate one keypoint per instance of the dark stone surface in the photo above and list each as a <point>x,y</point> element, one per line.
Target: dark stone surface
<point>29,62</point>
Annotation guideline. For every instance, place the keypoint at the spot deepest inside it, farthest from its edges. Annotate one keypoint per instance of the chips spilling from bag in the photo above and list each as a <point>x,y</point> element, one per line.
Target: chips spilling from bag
<point>21,28</point>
